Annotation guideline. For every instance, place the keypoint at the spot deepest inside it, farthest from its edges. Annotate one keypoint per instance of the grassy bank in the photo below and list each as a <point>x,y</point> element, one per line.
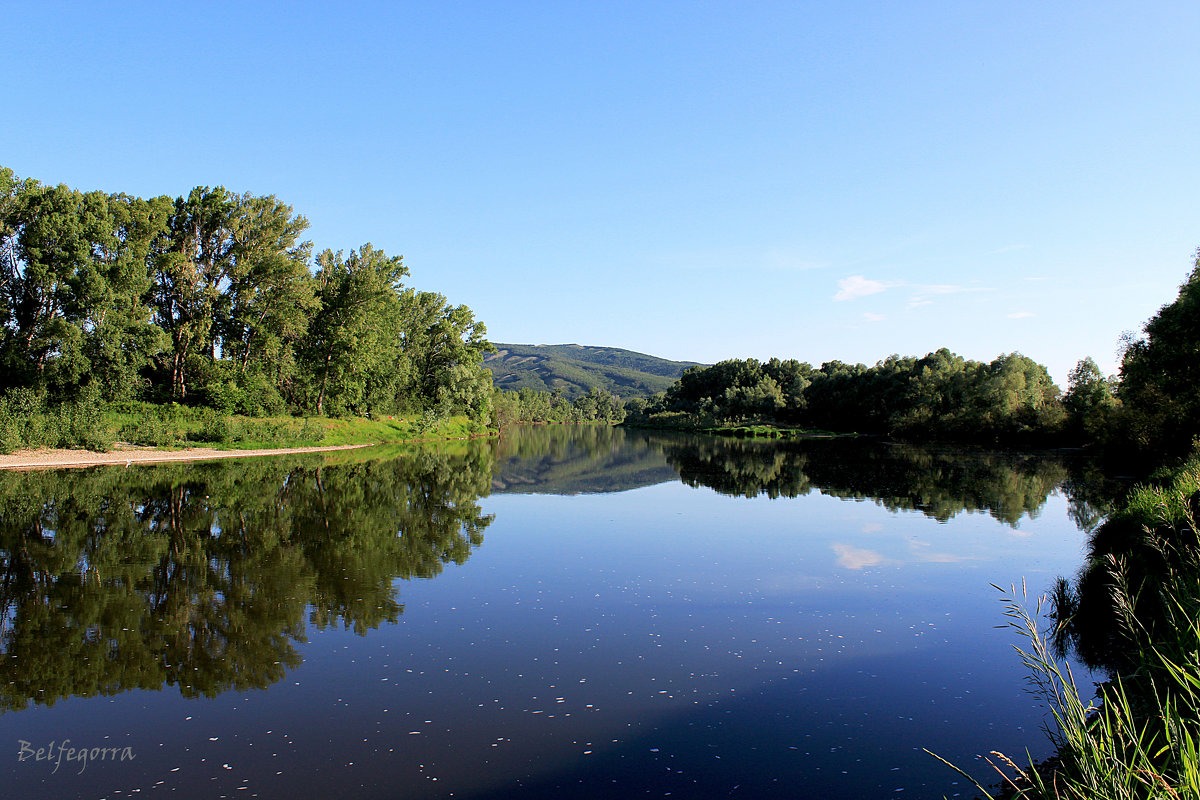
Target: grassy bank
<point>1139,734</point>
<point>770,432</point>
<point>94,427</point>
<point>703,424</point>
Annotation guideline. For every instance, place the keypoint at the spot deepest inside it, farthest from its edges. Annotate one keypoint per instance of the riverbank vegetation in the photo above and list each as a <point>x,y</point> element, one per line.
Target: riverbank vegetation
<point>1143,417</point>
<point>939,396</point>
<point>1133,611</point>
<point>1133,615</point>
<point>212,301</point>
<point>26,422</point>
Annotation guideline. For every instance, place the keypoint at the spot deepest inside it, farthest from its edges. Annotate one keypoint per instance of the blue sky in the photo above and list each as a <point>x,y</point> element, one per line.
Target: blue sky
<point>694,180</point>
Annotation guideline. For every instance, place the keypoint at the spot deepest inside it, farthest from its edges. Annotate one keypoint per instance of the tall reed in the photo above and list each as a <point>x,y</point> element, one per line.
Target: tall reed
<point>1137,738</point>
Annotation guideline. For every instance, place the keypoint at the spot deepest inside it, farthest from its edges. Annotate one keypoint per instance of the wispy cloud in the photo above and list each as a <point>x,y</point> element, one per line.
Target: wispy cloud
<point>922,293</point>
<point>1008,248</point>
<point>857,286</point>
<point>922,552</point>
<point>1021,315</point>
<point>869,317</point>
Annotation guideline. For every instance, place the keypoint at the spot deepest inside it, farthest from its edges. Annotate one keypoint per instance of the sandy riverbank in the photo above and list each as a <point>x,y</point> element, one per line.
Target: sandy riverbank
<point>55,459</point>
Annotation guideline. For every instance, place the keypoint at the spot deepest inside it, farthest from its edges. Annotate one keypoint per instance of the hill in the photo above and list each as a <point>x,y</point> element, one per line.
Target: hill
<point>572,369</point>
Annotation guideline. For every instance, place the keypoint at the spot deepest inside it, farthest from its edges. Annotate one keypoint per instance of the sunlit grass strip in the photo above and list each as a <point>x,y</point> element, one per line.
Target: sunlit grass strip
<point>706,423</point>
<point>1165,501</point>
<point>171,426</point>
<point>770,432</point>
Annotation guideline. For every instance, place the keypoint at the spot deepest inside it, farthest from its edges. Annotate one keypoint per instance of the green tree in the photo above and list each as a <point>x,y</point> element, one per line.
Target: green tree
<point>1089,401</point>
<point>54,228</point>
<point>506,408</point>
<point>1029,397</point>
<point>191,274</point>
<point>762,399</point>
<point>441,347</point>
<point>934,389</point>
<point>76,267</point>
<point>1160,373</point>
<point>353,337</point>
<point>124,339</point>
<point>271,298</point>
<point>599,405</point>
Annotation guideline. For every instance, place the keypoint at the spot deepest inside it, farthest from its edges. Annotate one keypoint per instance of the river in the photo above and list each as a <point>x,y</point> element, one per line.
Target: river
<point>582,612</point>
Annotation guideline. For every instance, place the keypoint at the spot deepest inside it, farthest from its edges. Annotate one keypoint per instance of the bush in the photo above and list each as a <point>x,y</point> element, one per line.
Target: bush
<point>25,421</point>
<point>216,428</point>
<point>153,430</point>
<point>83,425</point>
<point>12,428</point>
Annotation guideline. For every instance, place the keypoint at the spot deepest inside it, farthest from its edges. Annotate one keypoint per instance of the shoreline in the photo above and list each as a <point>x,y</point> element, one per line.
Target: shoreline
<point>46,458</point>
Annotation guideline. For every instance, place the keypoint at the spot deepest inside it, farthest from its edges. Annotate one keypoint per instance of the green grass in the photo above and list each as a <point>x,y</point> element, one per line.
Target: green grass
<point>173,427</point>
<point>768,432</point>
<point>680,421</point>
<point>1139,737</point>
<point>1164,500</point>
<point>1136,741</point>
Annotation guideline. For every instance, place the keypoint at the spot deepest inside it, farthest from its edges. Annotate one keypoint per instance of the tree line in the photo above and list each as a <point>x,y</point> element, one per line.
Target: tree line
<point>215,299</point>
<point>1151,407</point>
<point>532,405</point>
<point>942,392</point>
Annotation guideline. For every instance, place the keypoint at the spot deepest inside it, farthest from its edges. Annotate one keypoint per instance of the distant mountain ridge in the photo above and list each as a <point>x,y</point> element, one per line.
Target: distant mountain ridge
<point>572,369</point>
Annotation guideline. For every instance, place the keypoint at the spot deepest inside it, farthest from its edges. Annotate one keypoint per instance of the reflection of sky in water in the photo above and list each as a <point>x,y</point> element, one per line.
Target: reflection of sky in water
<point>661,640</point>
<point>721,637</point>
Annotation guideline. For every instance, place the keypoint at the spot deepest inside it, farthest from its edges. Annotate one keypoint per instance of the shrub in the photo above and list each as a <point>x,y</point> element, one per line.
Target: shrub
<point>214,427</point>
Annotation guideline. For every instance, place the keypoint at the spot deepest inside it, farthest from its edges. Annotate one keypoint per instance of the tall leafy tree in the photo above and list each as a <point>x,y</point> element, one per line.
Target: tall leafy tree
<point>122,339</point>
<point>191,275</point>
<point>1160,373</point>
<point>51,249</point>
<point>211,295</point>
<point>1089,401</point>
<point>353,336</point>
<point>441,348</point>
<point>1013,396</point>
<point>271,293</point>
<point>75,272</point>
<point>12,190</point>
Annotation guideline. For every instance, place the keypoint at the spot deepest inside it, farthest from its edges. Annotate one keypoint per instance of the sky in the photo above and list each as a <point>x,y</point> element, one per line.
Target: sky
<point>694,180</point>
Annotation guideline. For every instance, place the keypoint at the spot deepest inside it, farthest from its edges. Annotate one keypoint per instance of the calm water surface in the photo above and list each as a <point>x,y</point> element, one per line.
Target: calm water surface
<point>584,613</point>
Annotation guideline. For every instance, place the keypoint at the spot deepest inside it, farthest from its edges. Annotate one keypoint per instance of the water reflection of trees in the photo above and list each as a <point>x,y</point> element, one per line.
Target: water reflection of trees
<point>575,459</point>
<point>200,576</point>
<point>937,482</point>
